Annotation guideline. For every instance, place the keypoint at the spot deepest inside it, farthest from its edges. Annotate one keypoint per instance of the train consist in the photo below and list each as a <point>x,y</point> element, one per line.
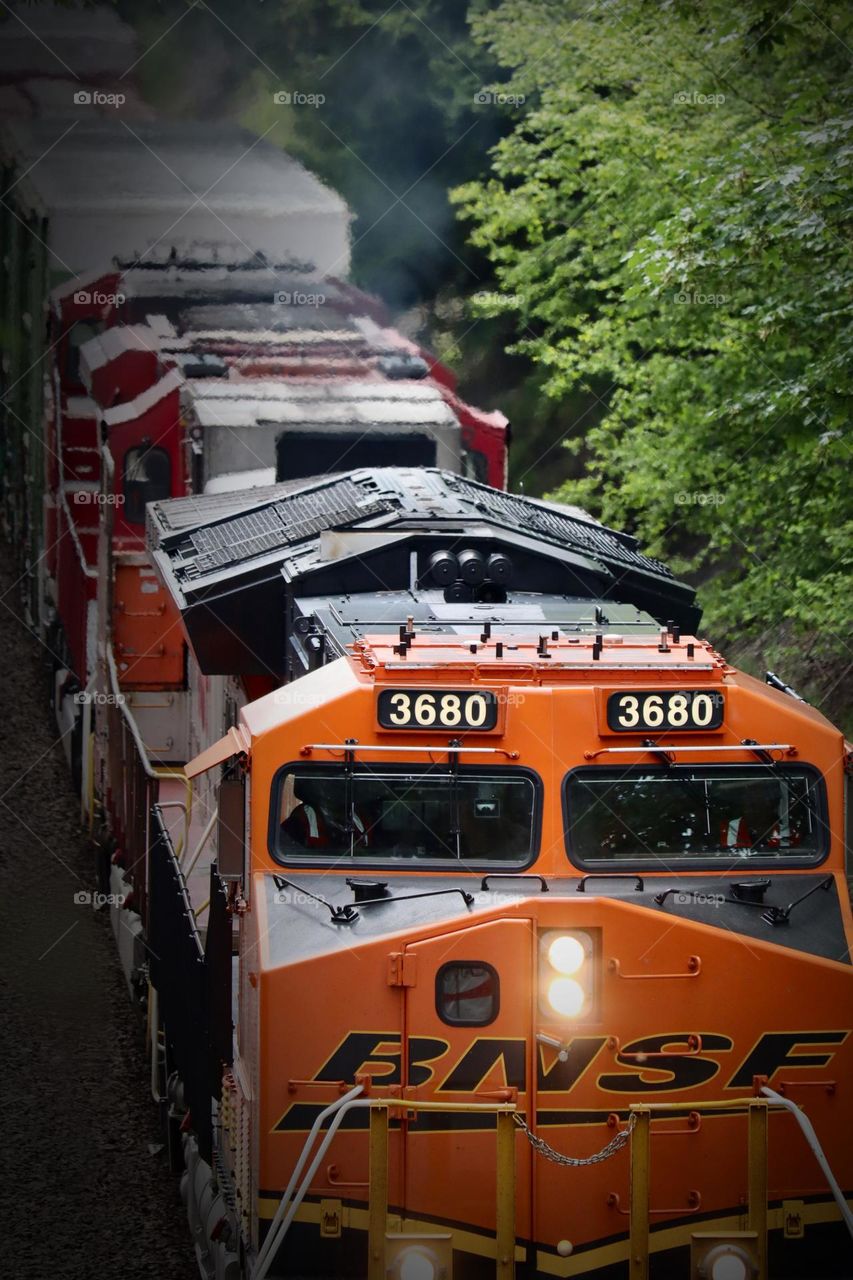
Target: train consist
<point>488,922</point>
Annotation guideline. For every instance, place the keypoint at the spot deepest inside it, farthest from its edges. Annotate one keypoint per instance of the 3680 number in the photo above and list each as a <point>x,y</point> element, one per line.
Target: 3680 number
<point>437,708</point>
<point>682,709</point>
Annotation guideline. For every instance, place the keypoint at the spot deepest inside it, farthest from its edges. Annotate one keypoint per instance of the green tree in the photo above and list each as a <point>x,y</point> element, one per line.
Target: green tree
<point>670,222</point>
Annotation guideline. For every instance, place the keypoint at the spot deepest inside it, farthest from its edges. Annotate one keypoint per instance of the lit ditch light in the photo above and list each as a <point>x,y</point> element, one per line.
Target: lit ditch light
<point>418,1257</point>
<point>566,974</point>
<point>724,1255</point>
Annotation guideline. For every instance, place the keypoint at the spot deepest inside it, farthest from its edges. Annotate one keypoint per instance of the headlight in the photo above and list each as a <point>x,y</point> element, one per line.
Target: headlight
<point>729,1255</point>
<point>566,954</point>
<point>729,1264</point>
<point>566,973</point>
<point>418,1256</point>
<point>417,1265</point>
<point>566,997</point>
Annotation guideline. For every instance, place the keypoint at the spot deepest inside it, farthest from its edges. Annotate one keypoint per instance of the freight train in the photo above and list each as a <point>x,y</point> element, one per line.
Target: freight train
<point>453,870</point>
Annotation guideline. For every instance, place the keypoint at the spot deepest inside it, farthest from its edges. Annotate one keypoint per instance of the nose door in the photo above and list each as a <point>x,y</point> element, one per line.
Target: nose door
<point>467,1039</point>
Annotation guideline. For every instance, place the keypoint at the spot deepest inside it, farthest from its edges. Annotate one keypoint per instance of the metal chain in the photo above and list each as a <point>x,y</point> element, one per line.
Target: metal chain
<point>616,1143</point>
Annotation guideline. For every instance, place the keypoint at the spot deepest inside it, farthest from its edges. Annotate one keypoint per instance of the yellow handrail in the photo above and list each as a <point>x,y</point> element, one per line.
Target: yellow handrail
<point>378,1179</point>
<point>757,1110</point>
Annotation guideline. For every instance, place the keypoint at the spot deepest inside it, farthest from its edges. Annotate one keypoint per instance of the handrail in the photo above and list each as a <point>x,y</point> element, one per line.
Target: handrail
<point>639,1208</point>
<point>664,748</point>
<point>293,1196</point>
<point>817,1150</point>
<point>428,747</point>
<point>203,839</point>
<point>153,774</point>
<point>694,968</point>
<point>121,703</point>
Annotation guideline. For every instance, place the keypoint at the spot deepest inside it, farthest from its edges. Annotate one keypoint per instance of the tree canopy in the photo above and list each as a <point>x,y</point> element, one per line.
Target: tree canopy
<point>669,226</point>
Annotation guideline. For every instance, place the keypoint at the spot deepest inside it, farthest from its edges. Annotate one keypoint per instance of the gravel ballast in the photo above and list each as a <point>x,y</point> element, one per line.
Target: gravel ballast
<point>85,1195</point>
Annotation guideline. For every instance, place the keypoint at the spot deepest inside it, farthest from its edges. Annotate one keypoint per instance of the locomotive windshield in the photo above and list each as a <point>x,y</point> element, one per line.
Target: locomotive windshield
<point>387,815</point>
<point>710,815</point>
<point>300,453</point>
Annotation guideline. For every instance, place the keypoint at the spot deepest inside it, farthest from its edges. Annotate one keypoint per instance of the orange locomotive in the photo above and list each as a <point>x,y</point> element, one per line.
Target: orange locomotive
<point>540,917</point>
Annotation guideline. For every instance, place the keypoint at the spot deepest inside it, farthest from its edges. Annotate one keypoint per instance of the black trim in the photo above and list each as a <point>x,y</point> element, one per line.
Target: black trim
<point>468,1022</point>
<point>407,865</point>
<point>659,1258</point>
<point>719,863</point>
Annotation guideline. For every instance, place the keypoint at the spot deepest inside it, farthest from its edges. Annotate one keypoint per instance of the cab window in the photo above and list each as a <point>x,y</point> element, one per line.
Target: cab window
<point>386,815</point>
<point>702,815</point>
<point>147,478</point>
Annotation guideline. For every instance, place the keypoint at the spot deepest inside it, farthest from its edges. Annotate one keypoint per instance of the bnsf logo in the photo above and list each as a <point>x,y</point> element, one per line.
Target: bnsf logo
<point>379,1055</point>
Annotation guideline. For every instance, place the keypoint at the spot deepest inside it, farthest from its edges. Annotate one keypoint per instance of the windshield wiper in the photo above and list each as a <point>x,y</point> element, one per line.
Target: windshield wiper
<point>781,915</point>
<point>346,914</point>
<point>468,898</point>
<point>745,893</point>
<point>748,893</point>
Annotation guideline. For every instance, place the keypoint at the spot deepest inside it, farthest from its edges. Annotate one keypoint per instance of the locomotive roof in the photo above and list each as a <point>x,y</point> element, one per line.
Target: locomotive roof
<point>212,287</point>
<point>264,178</point>
<point>562,651</point>
<point>250,401</point>
<point>168,184</point>
<point>231,561</point>
<point>446,633</point>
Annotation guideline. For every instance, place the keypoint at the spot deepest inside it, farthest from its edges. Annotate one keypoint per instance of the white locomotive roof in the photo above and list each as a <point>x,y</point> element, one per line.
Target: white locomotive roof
<point>317,389</point>
<point>162,185</point>
<point>239,481</point>
<point>250,402</point>
<point>276,338</point>
<point>265,180</point>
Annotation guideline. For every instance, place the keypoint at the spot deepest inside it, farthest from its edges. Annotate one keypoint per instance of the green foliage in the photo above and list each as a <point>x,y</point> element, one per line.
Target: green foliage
<point>671,220</point>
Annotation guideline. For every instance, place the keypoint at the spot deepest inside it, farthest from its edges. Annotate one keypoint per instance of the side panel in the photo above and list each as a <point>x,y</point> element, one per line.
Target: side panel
<point>147,636</point>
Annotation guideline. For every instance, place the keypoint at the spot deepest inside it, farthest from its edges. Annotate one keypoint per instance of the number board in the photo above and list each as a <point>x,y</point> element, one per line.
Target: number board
<point>685,709</point>
<point>456,709</point>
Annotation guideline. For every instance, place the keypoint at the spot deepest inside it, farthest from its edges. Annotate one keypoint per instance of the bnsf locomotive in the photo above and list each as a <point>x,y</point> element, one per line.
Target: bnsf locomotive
<point>523,887</point>
<point>488,923</point>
